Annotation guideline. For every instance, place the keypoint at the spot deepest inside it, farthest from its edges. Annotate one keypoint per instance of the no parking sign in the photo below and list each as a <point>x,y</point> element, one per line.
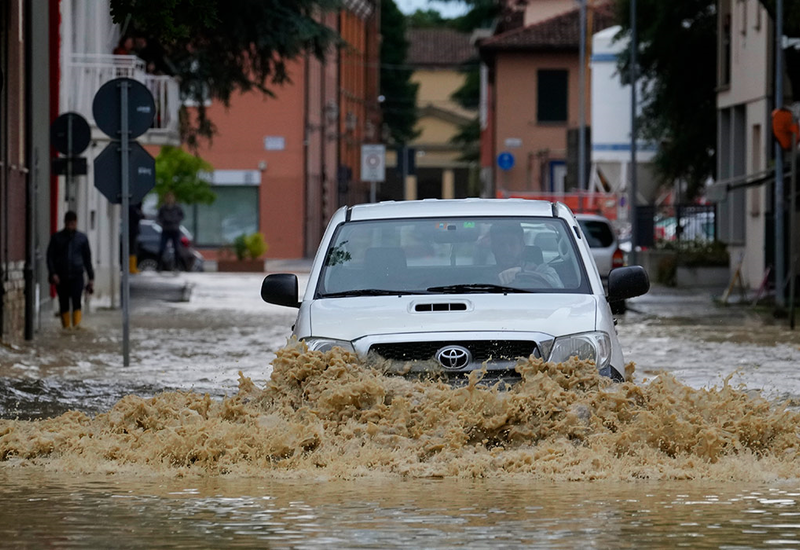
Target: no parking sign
<point>373,162</point>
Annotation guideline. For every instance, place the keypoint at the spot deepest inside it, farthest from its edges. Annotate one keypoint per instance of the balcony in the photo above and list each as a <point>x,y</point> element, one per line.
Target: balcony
<point>85,73</point>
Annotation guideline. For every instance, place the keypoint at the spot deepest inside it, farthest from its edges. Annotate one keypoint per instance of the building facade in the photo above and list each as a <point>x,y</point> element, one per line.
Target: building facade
<point>24,165</point>
<point>85,38</point>
<point>440,59</point>
<point>284,164</point>
<point>745,144</point>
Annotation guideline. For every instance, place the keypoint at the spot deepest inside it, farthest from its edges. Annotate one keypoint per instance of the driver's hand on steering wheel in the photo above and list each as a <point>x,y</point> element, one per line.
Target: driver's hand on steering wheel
<point>509,275</point>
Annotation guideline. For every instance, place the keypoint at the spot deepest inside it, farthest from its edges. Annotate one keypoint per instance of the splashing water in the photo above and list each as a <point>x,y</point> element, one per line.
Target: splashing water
<point>329,415</point>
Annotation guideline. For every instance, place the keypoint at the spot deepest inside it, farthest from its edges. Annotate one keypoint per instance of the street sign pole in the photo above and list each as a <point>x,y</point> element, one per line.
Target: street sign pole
<point>126,290</point>
<point>71,198</point>
<point>633,192</point>
<point>780,269</point>
<point>123,109</point>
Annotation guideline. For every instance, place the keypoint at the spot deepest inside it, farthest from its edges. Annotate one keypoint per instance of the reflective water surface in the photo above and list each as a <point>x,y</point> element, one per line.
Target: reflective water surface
<point>59,511</point>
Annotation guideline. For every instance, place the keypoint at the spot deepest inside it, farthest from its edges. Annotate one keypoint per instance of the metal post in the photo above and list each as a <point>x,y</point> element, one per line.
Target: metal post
<point>632,190</point>
<point>780,267</point>
<point>582,106</point>
<point>373,191</point>
<point>792,218</point>
<point>72,199</point>
<point>126,294</point>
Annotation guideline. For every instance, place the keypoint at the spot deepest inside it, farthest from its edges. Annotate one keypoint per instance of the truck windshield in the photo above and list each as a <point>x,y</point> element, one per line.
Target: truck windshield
<point>447,255</point>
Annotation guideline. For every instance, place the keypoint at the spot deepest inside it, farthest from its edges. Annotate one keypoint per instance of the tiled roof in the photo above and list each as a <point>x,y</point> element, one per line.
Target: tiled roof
<point>561,32</point>
<point>438,47</point>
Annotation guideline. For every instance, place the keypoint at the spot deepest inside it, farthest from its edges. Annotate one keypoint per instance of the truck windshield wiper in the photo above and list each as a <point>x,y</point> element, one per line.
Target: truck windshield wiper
<point>369,292</point>
<point>475,288</point>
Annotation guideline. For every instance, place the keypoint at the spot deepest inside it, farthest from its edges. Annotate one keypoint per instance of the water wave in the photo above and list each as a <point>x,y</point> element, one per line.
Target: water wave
<point>330,415</point>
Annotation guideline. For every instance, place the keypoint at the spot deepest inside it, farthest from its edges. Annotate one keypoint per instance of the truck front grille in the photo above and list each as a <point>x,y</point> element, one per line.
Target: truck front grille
<point>482,350</point>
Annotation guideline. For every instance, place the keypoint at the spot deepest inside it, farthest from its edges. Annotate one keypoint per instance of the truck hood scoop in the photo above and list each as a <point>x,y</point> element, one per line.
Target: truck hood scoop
<point>444,306</point>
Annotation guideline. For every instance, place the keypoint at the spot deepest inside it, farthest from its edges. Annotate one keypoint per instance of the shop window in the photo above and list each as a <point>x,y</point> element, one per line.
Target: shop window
<point>233,213</point>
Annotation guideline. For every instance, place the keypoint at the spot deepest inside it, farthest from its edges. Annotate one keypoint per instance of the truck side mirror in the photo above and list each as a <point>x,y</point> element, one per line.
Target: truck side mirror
<point>280,289</point>
<point>627,282</point>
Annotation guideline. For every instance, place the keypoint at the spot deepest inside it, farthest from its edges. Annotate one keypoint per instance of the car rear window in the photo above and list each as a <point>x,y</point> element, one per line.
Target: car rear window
<point>598,233</point>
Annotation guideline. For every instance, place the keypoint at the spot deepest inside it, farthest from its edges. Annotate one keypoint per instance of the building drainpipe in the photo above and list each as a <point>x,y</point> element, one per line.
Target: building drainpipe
<point>4,158</point>
<point>306,135</point>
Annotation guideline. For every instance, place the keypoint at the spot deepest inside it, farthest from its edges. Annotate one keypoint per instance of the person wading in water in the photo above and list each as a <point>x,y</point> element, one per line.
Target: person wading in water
<point>68,257</point>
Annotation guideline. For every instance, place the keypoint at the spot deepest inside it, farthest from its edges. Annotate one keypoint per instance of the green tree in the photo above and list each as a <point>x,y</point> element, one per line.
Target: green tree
<point>677,59</point>
<point>399,93</point>
<point>426,19</point>
<point>481,13</point>
<point>182,173</point>
<point>218,47</point>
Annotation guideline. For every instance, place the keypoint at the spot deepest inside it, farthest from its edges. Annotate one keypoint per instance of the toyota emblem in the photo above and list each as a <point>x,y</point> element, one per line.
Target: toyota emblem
<point>454,357</point>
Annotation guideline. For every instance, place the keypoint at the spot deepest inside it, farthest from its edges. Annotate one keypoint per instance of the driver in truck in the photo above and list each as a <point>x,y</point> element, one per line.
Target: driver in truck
<point>508,247</point>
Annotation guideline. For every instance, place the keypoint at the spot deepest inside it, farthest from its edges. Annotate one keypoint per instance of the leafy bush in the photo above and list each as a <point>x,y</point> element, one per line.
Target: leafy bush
<point>250,246</point>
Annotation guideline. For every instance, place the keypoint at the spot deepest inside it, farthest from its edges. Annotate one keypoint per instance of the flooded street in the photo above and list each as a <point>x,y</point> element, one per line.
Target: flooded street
<point>326,453</point>
<point>59,512</point>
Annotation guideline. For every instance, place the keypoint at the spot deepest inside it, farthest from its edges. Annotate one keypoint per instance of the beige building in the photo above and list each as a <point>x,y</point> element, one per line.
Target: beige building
<point>439,58</point>
<point>745,152</point>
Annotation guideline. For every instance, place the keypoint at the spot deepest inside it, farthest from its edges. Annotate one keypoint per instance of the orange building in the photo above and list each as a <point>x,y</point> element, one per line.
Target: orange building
<point>283,165</point>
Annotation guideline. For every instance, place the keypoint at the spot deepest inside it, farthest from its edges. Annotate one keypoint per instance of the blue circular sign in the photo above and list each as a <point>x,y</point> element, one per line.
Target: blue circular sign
<point>505,160</point>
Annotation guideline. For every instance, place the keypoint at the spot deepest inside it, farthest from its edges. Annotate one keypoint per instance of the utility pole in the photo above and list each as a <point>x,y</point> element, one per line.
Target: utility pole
<point>582,105</point>
<point>780,266</point>
<point>632,190</point>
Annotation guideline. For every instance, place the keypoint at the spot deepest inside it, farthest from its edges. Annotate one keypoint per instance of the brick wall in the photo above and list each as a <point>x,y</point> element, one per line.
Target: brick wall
<point>14,303</point>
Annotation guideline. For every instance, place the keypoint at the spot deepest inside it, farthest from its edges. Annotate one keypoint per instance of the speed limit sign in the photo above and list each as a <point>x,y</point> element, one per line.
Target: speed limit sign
<point>373,162</point>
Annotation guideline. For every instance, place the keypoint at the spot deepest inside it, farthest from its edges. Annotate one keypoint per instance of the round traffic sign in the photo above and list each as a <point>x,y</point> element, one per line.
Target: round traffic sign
<point>505,160</point>
<point>107,108</point>
<point>70,125</point>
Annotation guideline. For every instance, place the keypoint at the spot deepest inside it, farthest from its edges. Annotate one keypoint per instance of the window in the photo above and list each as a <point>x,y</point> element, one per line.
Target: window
<point>598,233</point>
<point>551,95</point>
<point>413,255</point>
<point>725,48</point>
<point>234,212</point>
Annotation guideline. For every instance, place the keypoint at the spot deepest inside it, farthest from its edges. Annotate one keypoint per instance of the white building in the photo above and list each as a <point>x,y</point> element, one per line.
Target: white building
<point>611,126</point>
<point>87,40</point>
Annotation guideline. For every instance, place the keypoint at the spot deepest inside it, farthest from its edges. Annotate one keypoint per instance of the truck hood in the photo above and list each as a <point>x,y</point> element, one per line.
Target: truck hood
<point>355,317</point>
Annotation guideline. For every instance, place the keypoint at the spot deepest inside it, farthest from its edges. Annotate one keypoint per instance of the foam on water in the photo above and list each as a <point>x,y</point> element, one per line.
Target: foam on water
<point>329,415</point>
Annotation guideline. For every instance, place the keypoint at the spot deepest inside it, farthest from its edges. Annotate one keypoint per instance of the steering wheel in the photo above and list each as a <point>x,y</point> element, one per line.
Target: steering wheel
<point>533,279</point>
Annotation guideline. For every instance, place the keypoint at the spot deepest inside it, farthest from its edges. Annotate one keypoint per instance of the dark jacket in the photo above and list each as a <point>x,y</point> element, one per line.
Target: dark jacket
<point>170,217</point>
<point>68,255</point>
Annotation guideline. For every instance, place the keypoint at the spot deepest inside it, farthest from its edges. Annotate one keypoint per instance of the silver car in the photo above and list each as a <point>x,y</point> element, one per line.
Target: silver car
<point>607,254</point>
<point>455,285</point>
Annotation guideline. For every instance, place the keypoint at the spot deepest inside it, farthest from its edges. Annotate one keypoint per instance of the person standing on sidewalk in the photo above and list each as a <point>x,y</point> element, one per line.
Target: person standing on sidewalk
<point>170,216</point>
<point>68,257</point>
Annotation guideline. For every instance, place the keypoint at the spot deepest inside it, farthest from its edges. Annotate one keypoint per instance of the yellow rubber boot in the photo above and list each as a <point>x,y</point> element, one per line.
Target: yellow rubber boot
<point>132,265</point>
<point>76,318</point>
<point>65,320</point>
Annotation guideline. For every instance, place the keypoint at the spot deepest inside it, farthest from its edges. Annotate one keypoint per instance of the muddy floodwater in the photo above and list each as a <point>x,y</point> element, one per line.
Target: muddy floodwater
<point>222,435</point>
<point>57,511</point>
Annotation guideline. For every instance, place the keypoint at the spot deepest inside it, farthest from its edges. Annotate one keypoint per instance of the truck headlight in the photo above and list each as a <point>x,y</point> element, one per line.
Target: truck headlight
<point>327,344</point>
<point>593,346</point>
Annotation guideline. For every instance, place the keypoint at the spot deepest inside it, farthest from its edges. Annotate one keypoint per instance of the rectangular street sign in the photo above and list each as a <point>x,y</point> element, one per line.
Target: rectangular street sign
<point>373,163</point>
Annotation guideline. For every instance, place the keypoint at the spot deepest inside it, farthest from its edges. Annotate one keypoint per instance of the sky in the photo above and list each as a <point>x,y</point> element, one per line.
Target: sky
<point>447,9</point>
